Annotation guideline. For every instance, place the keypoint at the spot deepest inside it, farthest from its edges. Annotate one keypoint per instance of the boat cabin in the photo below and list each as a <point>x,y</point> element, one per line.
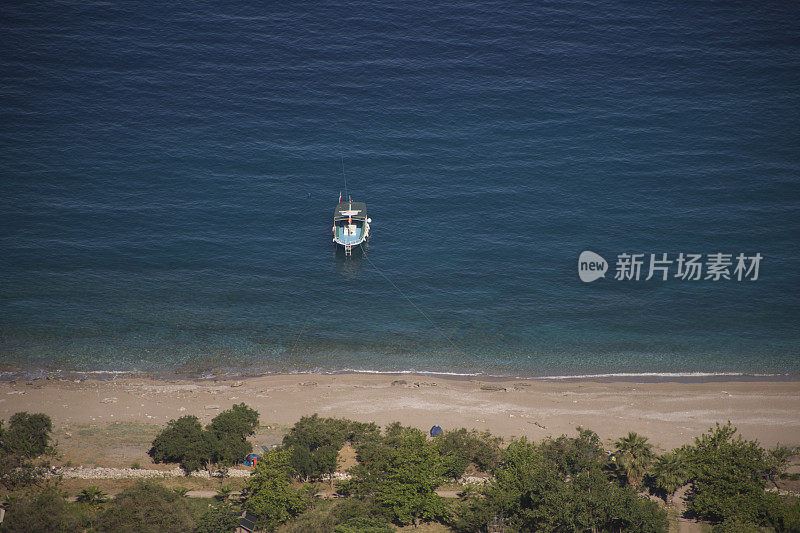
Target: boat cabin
<point>350,223</point>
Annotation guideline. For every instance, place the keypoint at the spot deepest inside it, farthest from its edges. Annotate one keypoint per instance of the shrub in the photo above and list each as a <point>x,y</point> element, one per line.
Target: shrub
<point>40,510</point>
<point>147,507</point>
<point>221,518</point>
<point>364,525</point>
<point>92,495</point>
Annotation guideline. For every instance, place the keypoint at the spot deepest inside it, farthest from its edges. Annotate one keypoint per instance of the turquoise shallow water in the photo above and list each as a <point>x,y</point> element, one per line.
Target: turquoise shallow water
<point>156,164</point>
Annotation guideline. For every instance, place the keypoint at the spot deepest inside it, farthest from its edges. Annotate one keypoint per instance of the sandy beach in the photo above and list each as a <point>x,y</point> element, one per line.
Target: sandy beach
<point>668,413</point>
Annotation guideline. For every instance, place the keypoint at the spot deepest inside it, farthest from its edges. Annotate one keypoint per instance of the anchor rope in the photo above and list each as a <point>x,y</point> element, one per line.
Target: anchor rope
<point>409,300</point>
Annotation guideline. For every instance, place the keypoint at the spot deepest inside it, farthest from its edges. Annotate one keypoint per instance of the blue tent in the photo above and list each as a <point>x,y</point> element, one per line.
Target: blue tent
<point>252,459</point>
<point>436,431</point>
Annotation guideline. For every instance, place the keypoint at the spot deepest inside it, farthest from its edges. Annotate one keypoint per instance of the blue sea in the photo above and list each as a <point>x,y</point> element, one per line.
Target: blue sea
<point>169,172</point>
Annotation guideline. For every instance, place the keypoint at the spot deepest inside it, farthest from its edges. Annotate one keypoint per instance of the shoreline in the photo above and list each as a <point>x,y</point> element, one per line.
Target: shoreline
<point>220,374</point>
<point>669,413</point>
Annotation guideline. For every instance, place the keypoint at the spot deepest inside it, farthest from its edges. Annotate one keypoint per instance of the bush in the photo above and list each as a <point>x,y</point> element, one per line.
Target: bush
<point>40,510</point>
<point>364,525</point>
<point>221,518</point>
<point>147,507</point>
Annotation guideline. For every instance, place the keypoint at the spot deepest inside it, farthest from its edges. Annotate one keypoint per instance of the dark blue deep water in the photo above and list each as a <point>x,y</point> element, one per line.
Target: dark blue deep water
<point>156,160</point>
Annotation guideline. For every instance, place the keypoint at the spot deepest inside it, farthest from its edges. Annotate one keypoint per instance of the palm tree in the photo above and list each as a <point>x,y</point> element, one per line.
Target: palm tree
<point>669,473</point>
<point>223,493</point>
<point>92,495</point>
<point>633,455</point>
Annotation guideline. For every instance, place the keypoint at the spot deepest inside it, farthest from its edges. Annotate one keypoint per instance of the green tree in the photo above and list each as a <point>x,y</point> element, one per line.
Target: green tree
<point>147,507</point>
<point>220,518</point>
<point>325,461</point>
<point>222,443</point>
<point>728,477</point>
<point>26,439</point>
<point>633,455</point>
<point>533,491</point>
<point>400,473</point>
<point>574,455</point>
<point>227,434</point>
<point>778,460</point>
<point>459,448</point>
<point>315,435</point>
<point>411,474</point>
<point>668,473</point>
<point>271,495</point>
<point>182,442</point>
<point>28,435</point>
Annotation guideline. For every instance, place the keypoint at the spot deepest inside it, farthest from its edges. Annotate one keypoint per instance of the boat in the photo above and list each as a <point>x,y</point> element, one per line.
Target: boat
<point>350,224</point>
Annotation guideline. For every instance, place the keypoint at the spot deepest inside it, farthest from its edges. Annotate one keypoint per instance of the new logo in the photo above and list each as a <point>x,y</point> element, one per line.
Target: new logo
<point>591,266</point>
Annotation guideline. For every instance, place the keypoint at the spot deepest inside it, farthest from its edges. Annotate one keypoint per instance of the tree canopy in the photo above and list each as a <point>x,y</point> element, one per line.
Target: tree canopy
<point>560,485</point>
<point>271,495</point>
<point>222,442</point>
<point>316,442</point>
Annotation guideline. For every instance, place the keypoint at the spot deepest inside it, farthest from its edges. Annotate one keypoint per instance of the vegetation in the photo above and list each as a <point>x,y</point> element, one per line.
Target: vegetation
<point>538,489</point>
<point>460,448</point>
<point>147,507</point>
<point>569,483</point>
<point>633,457</point>
<point>92,496</point>
<point>316,441</point>
<point>39,509</point>
<point>26,439</point>
<point>668,473</point>
<point>271,495</point>
<point>222,443</point>
<point>728,476</point>
<point>397,476</point>
<point>220,518</point>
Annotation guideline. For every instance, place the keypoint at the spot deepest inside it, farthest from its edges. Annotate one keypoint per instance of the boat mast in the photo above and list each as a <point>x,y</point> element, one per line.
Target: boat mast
<point>345,180</point>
